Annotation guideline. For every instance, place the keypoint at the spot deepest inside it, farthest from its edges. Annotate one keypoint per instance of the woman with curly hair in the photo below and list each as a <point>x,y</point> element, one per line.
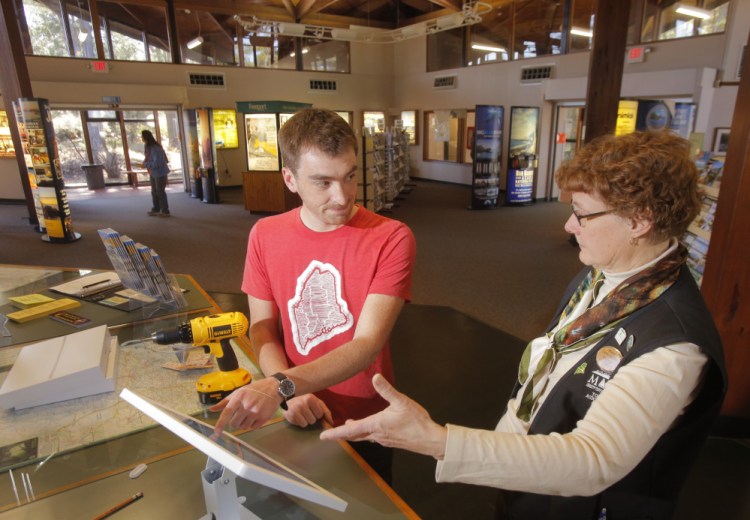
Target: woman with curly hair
<point>614,400</point>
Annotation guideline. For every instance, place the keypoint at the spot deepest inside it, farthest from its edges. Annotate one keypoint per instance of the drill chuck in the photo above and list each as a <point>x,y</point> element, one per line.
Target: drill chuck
<point>181,334</point>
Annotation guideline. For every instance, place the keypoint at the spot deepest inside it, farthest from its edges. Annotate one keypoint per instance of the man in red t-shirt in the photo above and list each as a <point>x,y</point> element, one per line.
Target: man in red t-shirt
<point>335,276</point>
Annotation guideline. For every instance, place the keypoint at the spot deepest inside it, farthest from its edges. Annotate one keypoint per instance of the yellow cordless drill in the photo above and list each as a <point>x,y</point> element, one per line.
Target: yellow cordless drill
<point>213,334</point>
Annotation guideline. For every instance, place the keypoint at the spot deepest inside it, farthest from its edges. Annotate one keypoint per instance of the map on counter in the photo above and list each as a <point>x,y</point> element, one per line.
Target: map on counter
<point>80,422</point>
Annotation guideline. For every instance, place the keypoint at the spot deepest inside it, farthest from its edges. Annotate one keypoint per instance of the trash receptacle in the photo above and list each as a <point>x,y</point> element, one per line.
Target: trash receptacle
<point>196,186</point>
<point>210,190</point>
<point>94,176</point>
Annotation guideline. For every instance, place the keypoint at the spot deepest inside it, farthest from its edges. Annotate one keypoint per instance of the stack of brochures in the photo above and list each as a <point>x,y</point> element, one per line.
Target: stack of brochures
<point>140,268</point>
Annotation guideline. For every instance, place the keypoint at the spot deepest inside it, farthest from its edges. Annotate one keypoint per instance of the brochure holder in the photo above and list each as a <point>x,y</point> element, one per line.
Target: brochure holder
<point>140,268</point>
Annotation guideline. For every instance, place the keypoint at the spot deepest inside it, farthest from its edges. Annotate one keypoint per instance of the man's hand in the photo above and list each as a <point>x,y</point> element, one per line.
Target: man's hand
<point>306,409</point>
<point>404,424</point>
<point>248,407</point>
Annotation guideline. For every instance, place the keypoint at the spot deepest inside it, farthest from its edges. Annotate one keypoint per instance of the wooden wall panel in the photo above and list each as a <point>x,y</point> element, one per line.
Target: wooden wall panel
<point>726,278</point>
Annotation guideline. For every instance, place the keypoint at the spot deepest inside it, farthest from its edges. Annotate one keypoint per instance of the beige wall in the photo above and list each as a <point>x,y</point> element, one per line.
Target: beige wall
<point>392,77</point>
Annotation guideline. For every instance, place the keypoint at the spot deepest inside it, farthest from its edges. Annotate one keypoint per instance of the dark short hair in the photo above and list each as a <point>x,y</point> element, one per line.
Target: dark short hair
<point>640,175</point>
<point>315,128</point>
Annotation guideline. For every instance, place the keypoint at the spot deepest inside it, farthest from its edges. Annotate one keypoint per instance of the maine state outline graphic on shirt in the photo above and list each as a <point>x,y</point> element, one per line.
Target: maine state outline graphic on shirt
<point>317,312</point>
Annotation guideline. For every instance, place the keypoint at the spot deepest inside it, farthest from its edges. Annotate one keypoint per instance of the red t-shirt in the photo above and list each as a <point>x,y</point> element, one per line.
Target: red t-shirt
<point>319,282</point>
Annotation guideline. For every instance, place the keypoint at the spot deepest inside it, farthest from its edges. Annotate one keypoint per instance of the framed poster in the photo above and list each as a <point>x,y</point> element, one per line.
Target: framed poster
<point>721,140</point>
<point>262,145</point>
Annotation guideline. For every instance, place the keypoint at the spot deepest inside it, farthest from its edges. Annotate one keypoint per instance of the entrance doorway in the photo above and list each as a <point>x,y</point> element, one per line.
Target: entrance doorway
<point>112,138</point>
<point>568,138</point>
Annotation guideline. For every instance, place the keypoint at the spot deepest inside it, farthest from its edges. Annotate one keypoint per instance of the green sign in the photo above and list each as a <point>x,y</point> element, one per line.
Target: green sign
<point>265,107</point>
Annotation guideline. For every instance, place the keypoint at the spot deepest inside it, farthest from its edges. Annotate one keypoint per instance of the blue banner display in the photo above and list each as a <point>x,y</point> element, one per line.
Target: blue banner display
<point>520,189</point>
<point>486,152</point>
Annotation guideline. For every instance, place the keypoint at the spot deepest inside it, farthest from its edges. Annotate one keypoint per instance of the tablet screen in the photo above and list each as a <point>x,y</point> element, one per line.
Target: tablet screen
<point>234,454</point>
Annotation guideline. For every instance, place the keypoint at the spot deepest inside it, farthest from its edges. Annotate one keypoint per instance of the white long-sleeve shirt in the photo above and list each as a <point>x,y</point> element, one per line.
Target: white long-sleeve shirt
<point>634,410</point>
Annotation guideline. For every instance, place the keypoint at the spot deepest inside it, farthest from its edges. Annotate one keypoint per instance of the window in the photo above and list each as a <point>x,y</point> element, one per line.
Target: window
<point>268,51</point>
<point>538,28</point>
<point>683,19</point>
<point>443,128</point>
<point>45,29</point>
<point>490,40</point>
<point>409,124</point>
<point>325,55</point>
<point>445,50</point>
<point>581,31</point>
<point>374,120</point>
<point>203,37</point>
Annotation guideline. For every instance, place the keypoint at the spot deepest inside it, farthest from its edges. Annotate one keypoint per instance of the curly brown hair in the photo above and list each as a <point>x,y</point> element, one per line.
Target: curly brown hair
<point>640,175</point>
<point>314,128</point>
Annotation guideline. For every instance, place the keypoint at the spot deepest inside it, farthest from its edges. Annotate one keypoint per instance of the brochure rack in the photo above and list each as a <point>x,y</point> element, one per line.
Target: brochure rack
<point>386,163</point>
<point>697,237</point>
<point>140,268</point>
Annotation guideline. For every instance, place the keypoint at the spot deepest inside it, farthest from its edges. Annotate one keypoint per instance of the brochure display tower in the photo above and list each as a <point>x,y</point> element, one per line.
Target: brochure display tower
<point>385,166</point>
<point>262,184</point>
<point>697,237</point>
<point>522,156</point>
<point>487,150</point>
<point>43,167</point>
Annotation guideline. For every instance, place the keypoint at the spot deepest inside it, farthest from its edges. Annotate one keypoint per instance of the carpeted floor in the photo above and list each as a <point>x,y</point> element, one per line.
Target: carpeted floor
<point>485,282</point>
<point>506,268</point>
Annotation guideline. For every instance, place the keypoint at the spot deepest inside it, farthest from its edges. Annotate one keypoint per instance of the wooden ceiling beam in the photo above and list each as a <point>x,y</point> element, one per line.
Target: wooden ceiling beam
<point>290,8</point>
<point>453,5</point>
<point>310,7</point>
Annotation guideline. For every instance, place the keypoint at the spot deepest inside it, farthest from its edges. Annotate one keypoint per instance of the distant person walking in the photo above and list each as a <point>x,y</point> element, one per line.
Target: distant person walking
<point>158,170</point>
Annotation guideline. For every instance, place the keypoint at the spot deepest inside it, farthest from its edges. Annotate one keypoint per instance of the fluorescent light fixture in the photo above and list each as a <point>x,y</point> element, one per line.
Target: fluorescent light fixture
<point>291,29</point>
<point>417,29</point>
<point>582,32</point>
<point>470,14</point>
<point>490,48</point>
<point>343,34</point>
<point>695,12</point>
<point>195,42</point>
<point>450,21</point>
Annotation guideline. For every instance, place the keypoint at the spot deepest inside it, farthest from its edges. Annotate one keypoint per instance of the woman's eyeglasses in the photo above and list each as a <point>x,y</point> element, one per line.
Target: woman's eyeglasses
<point>589,216</point>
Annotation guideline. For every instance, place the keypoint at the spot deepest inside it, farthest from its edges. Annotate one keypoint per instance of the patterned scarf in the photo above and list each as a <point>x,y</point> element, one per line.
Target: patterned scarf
<point>637,291</point>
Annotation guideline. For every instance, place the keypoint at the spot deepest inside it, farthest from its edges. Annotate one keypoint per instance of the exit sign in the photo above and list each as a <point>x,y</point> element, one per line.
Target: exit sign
<point>101,67</point>
<point>636,54</point>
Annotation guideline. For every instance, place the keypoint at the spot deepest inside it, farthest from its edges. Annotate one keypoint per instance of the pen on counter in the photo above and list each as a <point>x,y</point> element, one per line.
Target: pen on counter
<point>96,283</point>
<point>125,503</point>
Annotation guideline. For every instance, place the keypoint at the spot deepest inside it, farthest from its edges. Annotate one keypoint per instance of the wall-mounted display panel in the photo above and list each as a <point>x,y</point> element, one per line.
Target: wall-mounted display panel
<point>6,143</point>
<point>225,128</point>
<point>262,142</point>
<point>409,125</point>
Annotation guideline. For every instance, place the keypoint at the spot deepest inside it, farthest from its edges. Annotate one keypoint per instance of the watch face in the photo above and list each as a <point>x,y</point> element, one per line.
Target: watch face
<point>286,388</point>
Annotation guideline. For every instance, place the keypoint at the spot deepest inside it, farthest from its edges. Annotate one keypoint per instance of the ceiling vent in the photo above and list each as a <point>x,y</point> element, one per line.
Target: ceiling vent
<point>445,82</point>
<point>530,75</point>
<point>206,80</point>
<point>322,85</point>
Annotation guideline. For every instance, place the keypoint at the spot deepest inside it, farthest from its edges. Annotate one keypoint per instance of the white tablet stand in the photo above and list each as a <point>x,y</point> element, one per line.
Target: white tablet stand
<point>228,458</point>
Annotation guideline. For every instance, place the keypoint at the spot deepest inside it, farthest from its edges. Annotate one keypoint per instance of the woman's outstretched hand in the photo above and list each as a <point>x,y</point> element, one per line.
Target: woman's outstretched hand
<point>405,424</point>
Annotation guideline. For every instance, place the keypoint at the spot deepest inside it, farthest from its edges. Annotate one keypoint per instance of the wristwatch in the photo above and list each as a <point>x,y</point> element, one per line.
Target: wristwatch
<point>286,388</point>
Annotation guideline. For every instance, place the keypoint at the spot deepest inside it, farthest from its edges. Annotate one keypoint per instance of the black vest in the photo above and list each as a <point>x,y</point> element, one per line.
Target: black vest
<point>651,489</point>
